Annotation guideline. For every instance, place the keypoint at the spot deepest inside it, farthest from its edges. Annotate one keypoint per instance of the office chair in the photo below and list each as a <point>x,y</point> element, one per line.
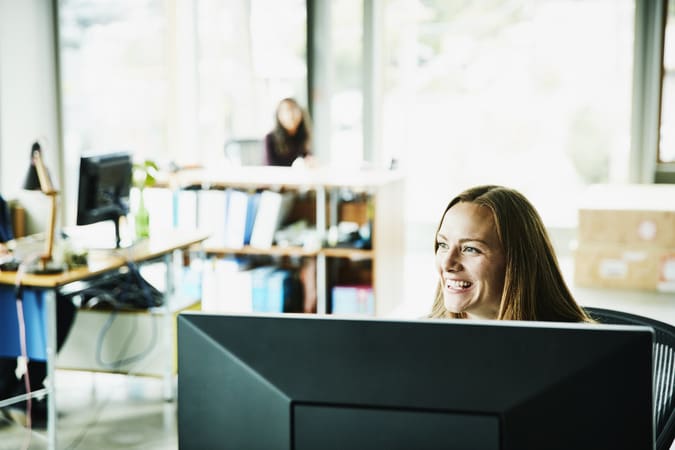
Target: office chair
<point>245,152</point>
<point>664,368</point>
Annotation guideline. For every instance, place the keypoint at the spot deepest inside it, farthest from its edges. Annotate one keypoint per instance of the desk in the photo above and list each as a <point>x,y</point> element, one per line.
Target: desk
<point>157,247</point>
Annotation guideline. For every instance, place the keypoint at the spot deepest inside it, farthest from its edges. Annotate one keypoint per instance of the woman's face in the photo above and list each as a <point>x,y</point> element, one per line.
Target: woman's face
<point>289,116</point>
<point>470,261</point>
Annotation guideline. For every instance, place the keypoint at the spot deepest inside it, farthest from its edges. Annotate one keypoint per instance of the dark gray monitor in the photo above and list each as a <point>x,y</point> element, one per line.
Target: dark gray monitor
<point>320,382</point>
<point>104,188</point>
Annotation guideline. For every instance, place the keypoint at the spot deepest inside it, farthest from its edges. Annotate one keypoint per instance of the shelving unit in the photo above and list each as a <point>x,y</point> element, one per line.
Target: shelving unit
<point>382,191</point>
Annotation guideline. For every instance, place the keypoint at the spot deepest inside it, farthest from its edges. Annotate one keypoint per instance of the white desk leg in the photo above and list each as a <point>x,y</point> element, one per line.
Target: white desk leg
<point>50,306</point>
<point>321,301</point>
<point>167,327</point>
<point>321,258</point>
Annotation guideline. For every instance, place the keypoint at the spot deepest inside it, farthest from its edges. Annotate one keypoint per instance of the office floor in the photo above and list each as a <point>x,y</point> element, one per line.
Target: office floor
<point>107,411</point>
<point>103,411</point>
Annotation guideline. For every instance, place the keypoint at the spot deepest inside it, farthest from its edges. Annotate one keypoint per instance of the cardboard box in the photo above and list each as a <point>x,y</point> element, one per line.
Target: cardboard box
<point>629,227</point>
<point>628,214</point>
<point>625,267</point>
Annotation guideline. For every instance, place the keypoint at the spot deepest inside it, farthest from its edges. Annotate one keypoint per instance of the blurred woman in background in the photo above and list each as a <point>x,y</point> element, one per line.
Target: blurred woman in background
<point>291,137</point>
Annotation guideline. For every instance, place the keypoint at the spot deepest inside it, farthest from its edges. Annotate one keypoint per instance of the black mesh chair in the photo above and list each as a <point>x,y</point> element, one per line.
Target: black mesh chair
<point>664,368</point>
<point>245,152</point>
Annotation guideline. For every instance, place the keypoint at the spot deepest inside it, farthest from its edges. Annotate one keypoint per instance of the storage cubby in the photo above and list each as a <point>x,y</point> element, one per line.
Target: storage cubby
<point>354,234</point>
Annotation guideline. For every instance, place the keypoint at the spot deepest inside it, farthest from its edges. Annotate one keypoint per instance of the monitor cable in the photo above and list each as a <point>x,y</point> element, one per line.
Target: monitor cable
<point>133,371</point>
<point>121,360</point>
<point>22,368</point>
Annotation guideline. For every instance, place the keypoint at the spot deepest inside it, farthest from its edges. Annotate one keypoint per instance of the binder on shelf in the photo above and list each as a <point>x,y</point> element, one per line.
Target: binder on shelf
<point>353,300</point>
<point>235,223</point>
<point>276,291</point>
<point>212,215</point>
<point>294,293</point>
<point>259,288</point>
<point>160,205</point>
<point>284,292</point>
<point>251,212</point>
<point>226,287</point>
<point>272,210</point>
<point>185,209</point>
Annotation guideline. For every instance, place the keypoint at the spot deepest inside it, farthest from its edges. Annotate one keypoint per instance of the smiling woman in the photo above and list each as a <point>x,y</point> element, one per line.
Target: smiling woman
<point>495,261</point>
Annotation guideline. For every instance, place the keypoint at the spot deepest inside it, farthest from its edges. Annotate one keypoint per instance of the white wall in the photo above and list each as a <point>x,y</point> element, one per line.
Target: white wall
<point>28,100</point>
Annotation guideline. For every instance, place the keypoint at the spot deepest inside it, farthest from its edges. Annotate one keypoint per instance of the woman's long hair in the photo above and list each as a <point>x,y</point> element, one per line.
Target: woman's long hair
<point>534,288</point>
<point>302,137</point>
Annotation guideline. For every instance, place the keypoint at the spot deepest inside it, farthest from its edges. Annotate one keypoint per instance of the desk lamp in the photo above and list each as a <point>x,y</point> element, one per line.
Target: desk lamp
<point>38,179</point>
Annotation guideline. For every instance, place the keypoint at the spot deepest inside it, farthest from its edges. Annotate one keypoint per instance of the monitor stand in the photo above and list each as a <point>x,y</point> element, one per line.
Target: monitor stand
<point>101,237</point>
<point>118,240</point>
<point>46,268</point>
<point>122,242</point>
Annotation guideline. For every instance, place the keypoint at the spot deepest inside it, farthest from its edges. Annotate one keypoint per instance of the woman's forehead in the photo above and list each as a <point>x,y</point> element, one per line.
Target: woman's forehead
<point>466,220</point>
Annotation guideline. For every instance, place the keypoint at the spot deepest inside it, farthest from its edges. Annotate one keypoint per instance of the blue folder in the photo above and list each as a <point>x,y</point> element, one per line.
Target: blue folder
<point>35,316</point>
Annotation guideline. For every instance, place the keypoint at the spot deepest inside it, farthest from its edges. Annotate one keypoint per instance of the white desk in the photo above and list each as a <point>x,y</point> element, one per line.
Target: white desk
<point>157,247</point>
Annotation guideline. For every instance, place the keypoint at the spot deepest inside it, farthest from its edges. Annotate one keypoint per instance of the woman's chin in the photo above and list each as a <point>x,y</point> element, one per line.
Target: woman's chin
<point>454,305</point>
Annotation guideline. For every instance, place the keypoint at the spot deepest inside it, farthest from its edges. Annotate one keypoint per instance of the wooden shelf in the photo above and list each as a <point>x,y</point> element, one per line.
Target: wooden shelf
<point>271,177</point>
<point>248,250</point>
<point>380,193</point>
<point>333,252</point>
<point>351,253</point>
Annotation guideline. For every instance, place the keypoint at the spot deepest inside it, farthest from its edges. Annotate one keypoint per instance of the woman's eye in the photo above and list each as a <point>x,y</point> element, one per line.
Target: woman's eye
<point>442,245</point>
<point>469,249</point>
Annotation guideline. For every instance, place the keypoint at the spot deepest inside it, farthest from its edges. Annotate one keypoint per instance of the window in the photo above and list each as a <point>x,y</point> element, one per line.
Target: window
<point>667,133</point>
<point>251,54</point>
<point>172,81</point>
<point>533,94</point>
<point>114,80</point>
<point>346,143</point>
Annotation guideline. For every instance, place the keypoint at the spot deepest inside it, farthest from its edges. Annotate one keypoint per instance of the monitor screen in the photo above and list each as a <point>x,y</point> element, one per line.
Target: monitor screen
<point>104,186</point>
<point>310,382</point>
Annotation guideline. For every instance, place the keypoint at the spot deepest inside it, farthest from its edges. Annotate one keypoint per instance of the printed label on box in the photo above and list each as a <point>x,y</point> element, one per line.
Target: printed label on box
<point>667,274</point>
<point>647,230</point>
<point>634,256</point>
<point>613,268</point>
<point>668,268</point>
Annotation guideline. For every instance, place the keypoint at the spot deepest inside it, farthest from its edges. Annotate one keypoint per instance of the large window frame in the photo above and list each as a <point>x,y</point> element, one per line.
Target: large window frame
<point>650,22</point>
<point>664,171</point>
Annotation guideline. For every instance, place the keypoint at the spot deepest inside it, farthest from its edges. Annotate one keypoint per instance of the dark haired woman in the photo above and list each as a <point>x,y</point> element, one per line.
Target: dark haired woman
<point>291,137</point>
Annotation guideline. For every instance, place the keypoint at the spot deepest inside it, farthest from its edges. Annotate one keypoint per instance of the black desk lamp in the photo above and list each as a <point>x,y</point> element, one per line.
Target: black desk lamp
<point>38,179</point>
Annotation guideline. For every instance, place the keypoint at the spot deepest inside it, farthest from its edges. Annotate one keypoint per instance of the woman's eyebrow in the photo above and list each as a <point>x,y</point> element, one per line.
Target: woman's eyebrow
<point>481,241</point>
<point>464,240</point>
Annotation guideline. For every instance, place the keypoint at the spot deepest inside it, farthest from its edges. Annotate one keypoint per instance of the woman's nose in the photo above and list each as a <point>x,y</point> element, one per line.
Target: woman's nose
<point>451,261</point>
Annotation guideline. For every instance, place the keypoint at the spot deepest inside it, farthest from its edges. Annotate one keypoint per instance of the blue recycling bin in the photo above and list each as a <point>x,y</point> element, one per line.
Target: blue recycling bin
<point>35,317</point>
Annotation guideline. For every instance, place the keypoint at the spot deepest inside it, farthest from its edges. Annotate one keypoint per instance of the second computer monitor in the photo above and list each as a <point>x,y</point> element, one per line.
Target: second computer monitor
<point>104,187</point>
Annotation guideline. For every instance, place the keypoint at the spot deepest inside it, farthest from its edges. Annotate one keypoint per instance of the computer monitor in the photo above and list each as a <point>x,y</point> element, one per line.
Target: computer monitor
<point>321,382</point>
<point>104,186</point>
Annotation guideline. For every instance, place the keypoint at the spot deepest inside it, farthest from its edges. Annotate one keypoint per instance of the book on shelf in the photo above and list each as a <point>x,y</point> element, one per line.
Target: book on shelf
<point>353,300</point>
<point>275,290</point>
<point>185,209</point>
<point>235,218</point>
<point>273,207</point>
<point>226,286</point>
<point>251,212</point>
<point>212,209</point>
<point>160,205</point>
<point>293,293</point>
<point>259,288</point>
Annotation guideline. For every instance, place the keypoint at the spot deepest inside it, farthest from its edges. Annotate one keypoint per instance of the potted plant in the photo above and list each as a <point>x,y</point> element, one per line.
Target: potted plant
<point>144,175</point>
